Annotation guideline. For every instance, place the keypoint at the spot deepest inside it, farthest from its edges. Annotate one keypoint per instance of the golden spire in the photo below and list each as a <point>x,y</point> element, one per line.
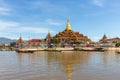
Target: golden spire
<point>104,37</point>
<point>20,40</point>
<point>48,35</point>
<point>68,26</point>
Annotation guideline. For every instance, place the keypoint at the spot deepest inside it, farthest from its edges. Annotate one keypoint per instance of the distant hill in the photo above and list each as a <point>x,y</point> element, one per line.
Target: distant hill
<point>4,40</point>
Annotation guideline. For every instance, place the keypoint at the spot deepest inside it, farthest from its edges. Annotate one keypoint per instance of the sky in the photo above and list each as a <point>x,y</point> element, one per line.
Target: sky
<point>35,18</point>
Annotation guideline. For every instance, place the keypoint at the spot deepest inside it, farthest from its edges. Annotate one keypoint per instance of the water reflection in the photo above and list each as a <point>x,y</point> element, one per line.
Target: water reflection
<point>69,61</point>
<point>69,65</point>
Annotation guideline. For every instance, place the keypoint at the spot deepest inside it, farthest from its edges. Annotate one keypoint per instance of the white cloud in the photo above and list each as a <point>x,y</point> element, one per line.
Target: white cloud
<point>96,38</point>
<point>35,29</point>
<point>47,6</point>
<point>4,11</point>
<point>95,14</point>
<point>4,8</point>
<point>7,24</point>
<point>52,22</point>
<point>12,29</point>
<point>99,3</point>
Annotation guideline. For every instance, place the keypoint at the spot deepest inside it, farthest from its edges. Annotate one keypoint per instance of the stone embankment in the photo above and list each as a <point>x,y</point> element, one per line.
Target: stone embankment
<point>97,49</point>
<point>62,49</point>
<point>111,49</point>
<point>76,48</point>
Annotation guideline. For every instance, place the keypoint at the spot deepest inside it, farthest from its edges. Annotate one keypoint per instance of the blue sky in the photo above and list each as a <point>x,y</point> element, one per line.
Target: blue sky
<point>34,18</point>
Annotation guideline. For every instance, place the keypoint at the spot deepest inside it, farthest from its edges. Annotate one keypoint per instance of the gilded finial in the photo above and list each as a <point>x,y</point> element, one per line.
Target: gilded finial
<point>48,35</point>
<point>104,36</point>
<point>68,26</point>
<point>20,35</point>
<point>20,40</point>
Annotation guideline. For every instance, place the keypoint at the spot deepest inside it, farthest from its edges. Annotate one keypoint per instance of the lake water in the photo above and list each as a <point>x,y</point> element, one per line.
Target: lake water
<point>67,65</point>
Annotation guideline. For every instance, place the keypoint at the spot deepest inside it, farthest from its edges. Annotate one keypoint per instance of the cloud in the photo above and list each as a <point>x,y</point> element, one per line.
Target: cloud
<point>7,24</point>
<point>52,22</point>
<point>35,29</point>
<point>4,11</point>
<point>99,3</point>
<point>47,6</point>
<point>95,14</point>
<point>12,30</point>
<point>96,38</point>
<point>4,8</point>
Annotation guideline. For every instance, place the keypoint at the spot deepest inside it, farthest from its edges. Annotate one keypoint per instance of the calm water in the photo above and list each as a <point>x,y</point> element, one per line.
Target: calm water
<point>59,66</point>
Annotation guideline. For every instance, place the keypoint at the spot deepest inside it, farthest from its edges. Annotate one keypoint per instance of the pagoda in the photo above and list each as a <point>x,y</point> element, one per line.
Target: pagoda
<point>70,36</point>
<point>48,37</point>
<point>104,39</point>
<point>107,40</point>
<point>20,41</point>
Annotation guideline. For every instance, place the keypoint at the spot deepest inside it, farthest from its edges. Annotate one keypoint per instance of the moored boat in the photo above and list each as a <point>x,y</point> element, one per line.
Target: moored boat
<point>28,50</point>
<point>25,50</point>
<point>55,50</point>
<point>118,52</point>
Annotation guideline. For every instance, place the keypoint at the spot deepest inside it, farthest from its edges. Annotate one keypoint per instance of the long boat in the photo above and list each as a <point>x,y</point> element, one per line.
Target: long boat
<point>29,50</point>
<point>25,50</point>
<point>118,52</point>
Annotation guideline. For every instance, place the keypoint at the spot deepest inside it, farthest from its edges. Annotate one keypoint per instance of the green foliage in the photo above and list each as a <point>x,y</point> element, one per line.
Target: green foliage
<point>12,44</point>
<point>114,42</point>
<point>93,42</point>
<point>117,44</point>
<point>55,41</point>
<point>1,46</point>
<point>79,42</point>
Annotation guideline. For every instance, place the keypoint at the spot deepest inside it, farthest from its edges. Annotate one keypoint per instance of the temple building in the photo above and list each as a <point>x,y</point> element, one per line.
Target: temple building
<point>34,42</point>
<point>20,41</point>
<point>108,41</point>
<point>48,38</point>
<point>104,39</point>
<point>70,36</point>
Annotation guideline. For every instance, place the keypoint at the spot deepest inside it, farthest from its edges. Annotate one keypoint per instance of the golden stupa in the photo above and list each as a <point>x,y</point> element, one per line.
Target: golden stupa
<point>69,35</point>
<point>20,40</point>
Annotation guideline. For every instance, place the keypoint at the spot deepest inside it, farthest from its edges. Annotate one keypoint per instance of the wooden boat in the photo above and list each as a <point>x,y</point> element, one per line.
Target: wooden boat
<point>55,50</point>
<point>25,51</point>
<point>29,50</point>
<point>118,52</point>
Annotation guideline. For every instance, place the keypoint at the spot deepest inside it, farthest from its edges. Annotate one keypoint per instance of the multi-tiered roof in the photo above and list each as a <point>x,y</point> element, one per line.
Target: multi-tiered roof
<point>69,35</point>
<point>20,41</point>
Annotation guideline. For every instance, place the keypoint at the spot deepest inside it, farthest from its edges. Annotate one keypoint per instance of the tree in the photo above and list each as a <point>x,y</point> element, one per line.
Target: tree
<point>117,44</point>
<point>12,44</point>
<point>55,41</point>
<point>1,46</point>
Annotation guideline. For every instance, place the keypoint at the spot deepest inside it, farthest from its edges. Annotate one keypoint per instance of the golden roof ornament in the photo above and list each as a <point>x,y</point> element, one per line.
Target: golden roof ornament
<point>104,37</point>
<point>20,40</point>
<point>48,35</point>
<point>68,26</point>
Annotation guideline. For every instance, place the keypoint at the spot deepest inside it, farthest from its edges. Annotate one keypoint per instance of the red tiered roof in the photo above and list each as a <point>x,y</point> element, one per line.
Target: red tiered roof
<point>34,41</point>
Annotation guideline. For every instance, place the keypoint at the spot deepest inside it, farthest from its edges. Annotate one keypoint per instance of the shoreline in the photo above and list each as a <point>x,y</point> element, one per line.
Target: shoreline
<point>68,49</point>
